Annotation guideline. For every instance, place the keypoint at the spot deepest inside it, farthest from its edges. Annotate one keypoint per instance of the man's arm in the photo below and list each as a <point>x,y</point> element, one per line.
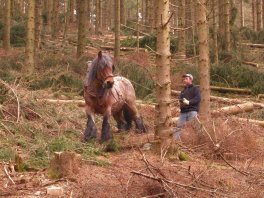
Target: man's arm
<point>197,97</point>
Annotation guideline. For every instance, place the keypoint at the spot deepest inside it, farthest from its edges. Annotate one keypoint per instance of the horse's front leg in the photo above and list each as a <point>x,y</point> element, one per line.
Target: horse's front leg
<point>91,130</point>
<point>106,134</point>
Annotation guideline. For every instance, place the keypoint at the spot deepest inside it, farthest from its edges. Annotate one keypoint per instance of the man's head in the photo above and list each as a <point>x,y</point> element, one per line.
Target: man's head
<point>187,79</point>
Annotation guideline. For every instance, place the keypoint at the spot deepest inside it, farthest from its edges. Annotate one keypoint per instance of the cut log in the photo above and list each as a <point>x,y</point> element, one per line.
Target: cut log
<point>81,103</point>
<point>251,64</point>
<point>234,109</point>
<point>258,122</point>
<point>57,101</point>
<point>253,45</point>
<point>229,110</point>
<point>123,48</point>
<point>228,89</point>
<point>64,164</point>
<point>260,96</point>
<point>225,100</point>
<point>135,30</point>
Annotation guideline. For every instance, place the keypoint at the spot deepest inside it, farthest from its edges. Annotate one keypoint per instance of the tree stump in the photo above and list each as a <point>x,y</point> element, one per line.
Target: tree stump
<point>64,164</point>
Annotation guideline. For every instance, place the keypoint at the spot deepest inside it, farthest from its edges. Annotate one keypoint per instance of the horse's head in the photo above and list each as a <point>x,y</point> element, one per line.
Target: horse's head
<point>104,70</point>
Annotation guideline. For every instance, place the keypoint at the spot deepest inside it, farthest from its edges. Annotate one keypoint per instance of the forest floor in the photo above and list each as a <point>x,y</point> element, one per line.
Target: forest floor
<point>223,158</point>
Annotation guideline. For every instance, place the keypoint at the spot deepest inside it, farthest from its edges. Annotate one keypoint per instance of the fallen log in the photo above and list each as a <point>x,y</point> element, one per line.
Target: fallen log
<point>81,103</point>
<point>228,89</point>
<point>258,122</point>
<point>260,96</point>
<point>251,64</point>
<point>57,101</point>
<point>234,109</point>
<point>135,30</point>
<point>123,48</point>
<point>225,100</point>
<point>253,45</point>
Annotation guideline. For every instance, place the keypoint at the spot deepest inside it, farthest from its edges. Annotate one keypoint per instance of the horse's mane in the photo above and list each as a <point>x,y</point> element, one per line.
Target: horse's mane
<point>97,63</point>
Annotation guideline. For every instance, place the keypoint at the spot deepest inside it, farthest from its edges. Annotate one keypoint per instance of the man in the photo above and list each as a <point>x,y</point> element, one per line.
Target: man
<point>189,99</point>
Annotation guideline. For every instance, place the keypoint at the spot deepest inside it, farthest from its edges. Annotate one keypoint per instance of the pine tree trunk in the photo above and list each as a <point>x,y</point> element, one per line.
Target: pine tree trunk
<point>7,19</point>
<point>182,37</point>
<point>215,44</point>
<point>72,6</point>
<point>262,13</point>
<point>30,37</point>
<point>122,12</point>
<point>38,23</point>
<point>151,16</point>
<point>55,19</point>
<point>163,88</point>
<point>242,16</point>
<point>137,26</point>
<point>146,12</point>
<point>259,14</point>
<point>202,26</point>
<point>49,16</point>
<point>104,14</point>
<point>227,26</point>
<point>254,15</point>
<point>97,23</point>
<point>221,28</point>
<point>67,18</point>
<point>81,27</point>
<point>100,15</point>
<point>117,30</point>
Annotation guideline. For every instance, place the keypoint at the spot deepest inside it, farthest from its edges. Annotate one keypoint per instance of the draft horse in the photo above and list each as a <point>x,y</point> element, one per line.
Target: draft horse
<point>108,95</point>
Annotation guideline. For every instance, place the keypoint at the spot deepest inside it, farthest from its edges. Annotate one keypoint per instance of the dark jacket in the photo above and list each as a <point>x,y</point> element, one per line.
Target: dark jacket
<point>191,93</point>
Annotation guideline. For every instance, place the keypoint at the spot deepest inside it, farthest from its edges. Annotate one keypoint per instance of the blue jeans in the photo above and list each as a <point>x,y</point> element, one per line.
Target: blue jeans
<point>184,117</point>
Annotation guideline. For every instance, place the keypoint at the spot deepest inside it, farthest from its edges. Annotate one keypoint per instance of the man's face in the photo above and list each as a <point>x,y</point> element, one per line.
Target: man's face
<point>187,81</point>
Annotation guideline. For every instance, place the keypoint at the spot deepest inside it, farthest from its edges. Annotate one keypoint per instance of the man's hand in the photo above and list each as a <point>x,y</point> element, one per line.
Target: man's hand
<point>185,101</point>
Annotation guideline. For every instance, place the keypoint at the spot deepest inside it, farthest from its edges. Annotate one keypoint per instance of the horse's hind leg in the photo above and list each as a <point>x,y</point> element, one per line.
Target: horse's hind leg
<point>91,130</point>
<point>134,115</point>
<point>128,115</point>
<point>119,120</point>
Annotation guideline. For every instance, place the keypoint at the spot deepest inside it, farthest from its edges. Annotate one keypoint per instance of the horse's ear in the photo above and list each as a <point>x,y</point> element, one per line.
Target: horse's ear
<point>100,54</point>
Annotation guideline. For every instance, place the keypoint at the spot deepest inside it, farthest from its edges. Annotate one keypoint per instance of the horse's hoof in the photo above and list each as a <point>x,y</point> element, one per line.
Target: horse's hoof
<point>89,134</point>
<point>104,140</point>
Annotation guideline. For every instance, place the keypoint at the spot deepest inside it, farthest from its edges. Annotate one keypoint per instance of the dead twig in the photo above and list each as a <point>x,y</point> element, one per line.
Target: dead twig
<point>242,172</point>
<point>15,94</point>
<point>7,174</point>
<point>172,182</point>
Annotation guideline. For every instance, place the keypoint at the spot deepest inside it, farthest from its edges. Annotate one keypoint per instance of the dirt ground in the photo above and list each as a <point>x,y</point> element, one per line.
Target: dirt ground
<point>138,170</point>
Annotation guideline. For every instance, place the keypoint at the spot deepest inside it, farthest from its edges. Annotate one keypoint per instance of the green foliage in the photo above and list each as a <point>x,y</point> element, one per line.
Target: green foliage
<point>61,143</point>
<point>234,74</point>
<point>248,34</point>
<point>252,36</point>
<point>18,35</point>
<point>261,36</point>
<point>6,154</point>
<point>233,16</point>
<point>140,78</point>
<point>129,42</point>
<point>151,42</point>
<point>183,156</point>
<point>112,146</point>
